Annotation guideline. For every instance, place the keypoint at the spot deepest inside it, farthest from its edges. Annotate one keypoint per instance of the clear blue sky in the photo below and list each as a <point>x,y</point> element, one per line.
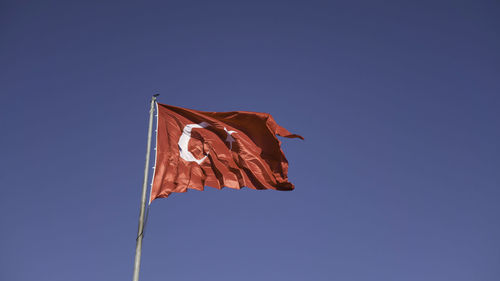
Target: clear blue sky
<point>398,178</point>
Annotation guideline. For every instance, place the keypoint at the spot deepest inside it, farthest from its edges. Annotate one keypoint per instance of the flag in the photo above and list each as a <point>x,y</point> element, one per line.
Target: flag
<point>234,149</point>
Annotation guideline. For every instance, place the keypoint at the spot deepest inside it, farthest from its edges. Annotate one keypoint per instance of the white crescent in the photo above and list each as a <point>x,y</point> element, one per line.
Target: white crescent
<point>184,143</point>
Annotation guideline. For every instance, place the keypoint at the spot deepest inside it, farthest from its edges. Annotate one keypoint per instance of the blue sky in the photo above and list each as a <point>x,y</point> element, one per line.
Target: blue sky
<point>397,178</point>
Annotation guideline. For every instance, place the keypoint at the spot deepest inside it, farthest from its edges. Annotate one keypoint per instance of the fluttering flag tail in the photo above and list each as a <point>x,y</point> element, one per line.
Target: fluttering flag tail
<point>218,149</point>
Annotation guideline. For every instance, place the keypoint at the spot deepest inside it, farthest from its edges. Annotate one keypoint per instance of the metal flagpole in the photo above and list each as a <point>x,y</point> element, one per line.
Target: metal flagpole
<point>140,231</point>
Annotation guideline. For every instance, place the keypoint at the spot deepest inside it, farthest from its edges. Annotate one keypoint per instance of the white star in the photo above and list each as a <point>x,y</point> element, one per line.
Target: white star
<point>229,138</point>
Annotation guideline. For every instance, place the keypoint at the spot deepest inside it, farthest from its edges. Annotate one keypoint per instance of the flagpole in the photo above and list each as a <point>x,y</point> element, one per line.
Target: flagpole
<point>140,231</point>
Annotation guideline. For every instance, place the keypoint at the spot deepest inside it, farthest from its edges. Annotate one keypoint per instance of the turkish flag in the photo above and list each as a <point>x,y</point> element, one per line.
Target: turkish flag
<point>218,149</point>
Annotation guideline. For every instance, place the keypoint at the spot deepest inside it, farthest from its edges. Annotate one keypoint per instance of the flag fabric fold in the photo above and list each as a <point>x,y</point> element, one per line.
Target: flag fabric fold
<point>235,149</point>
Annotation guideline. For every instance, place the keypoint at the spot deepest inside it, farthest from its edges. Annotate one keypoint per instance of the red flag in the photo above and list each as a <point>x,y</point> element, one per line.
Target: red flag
<point>218,149</point>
